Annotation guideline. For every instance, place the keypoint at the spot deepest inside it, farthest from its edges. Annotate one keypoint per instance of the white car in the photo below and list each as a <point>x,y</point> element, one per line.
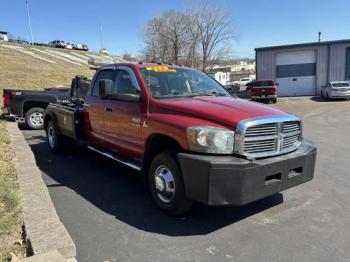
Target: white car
<point>242,82</point>
<point>57,44</point>
<point>69,46</point>
<point>79,47</point>
<point>336,89</point>
<point>104,51</point>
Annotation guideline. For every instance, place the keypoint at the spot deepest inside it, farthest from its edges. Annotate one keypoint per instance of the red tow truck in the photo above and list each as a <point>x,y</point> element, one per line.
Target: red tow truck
<point>182,130</point>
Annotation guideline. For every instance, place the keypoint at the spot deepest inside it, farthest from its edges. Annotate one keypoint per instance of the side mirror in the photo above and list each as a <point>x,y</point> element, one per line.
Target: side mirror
<point>277,84</point>
<point>105,88</point>
<point>128,97</point>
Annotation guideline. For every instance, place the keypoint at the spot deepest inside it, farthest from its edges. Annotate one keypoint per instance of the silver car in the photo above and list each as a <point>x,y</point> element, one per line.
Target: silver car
<point>57,44</point>
<point>336,89</point>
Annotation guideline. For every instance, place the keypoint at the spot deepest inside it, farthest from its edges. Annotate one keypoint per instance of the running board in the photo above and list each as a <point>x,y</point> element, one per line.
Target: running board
<point>122,161</point>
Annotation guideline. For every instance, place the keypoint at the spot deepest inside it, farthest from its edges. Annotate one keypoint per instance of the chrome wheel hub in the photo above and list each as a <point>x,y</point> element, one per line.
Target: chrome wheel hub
<point>36,119</point>
<point>164,184</point>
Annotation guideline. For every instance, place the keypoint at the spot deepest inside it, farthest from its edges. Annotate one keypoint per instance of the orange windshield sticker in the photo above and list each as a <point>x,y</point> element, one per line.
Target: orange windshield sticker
<point>160,69</point>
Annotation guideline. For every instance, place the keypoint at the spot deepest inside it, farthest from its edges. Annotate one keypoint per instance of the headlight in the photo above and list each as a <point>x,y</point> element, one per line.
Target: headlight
<point>213,140</point>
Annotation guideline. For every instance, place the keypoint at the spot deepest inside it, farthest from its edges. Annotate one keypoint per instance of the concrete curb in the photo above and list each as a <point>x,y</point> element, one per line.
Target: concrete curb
<point>43,229</point>
<point>51,256</point>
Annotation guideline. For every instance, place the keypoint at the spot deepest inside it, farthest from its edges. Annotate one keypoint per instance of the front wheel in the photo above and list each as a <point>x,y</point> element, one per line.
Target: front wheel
<point>167,186</point>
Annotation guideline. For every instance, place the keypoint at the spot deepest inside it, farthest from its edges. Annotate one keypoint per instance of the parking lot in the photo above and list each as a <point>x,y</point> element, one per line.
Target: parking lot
<point>108,212</point>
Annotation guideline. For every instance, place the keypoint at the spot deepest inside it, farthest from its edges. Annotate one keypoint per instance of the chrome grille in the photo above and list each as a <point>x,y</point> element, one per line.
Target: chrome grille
<point>262,137</point>
<point>291,134</point>
<point>261,130</point>
<point>252,147</point>
<point>291,127</point>
<point>290,141</point>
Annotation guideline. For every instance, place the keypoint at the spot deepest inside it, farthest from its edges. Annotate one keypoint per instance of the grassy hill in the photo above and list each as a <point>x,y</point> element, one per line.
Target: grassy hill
<point>22,71</point>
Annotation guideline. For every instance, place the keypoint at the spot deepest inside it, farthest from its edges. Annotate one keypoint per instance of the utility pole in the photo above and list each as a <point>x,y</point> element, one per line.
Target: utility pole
<point>101,41</point>
<point>319,36</point>
<point>30,23</point>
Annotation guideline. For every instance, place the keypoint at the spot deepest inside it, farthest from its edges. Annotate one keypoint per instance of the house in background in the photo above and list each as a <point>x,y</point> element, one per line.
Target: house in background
<point>302,69</point>
<point>4,36</point>
<point>243,69</point>
<point>228,74</point>
<point>222,75</point>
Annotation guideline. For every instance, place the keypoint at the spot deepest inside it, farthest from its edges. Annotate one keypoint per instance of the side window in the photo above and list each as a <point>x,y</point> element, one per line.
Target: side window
<point>104,74</point>
<point>124,83</point>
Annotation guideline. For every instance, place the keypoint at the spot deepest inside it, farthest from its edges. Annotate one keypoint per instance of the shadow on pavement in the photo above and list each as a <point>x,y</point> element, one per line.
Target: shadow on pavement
<point>118,191</point>
<point>322,99</point>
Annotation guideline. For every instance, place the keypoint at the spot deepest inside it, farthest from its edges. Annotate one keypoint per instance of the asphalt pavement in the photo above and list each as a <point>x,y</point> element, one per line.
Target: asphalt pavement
<point>110,215</point>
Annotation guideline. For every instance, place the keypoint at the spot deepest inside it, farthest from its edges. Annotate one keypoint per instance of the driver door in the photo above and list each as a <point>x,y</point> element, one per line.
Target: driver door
<point>125,120</point>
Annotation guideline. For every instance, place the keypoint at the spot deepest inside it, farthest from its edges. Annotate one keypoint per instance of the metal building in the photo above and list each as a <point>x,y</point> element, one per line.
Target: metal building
<point>302,69</point>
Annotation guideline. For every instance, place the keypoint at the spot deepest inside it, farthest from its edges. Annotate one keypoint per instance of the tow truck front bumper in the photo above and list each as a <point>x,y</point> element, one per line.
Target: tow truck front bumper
<point>230,180</point>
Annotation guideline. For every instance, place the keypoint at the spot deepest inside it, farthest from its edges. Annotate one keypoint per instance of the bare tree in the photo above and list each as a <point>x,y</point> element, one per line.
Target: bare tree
<point>129,57</point>
<point>193,41</point>
<point>167,37</point>
<point>215,32</point>
<point>199,37</point>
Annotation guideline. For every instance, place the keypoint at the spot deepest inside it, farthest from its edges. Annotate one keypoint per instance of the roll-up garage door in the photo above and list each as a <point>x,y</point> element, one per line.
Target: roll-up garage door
<point>296,73</point>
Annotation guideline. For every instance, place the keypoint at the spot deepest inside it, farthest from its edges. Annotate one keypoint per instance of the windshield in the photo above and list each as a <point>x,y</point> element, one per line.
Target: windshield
<point>344,84</point>
<point>164,82</point>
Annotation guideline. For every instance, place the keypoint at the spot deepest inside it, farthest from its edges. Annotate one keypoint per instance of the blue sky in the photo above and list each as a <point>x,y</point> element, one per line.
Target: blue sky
<point>258,23</point>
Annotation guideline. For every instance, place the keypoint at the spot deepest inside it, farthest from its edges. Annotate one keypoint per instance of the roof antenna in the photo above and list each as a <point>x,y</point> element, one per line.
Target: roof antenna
<point>319,36</point>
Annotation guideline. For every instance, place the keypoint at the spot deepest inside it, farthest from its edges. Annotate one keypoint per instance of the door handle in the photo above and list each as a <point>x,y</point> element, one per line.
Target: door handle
<point>136,121</point>
<point>108,109</point>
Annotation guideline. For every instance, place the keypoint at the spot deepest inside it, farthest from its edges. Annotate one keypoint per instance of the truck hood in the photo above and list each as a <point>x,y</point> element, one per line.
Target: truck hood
<point>227,111</point>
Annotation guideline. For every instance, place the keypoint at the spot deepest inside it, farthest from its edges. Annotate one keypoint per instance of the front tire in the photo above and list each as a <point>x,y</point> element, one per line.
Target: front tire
<point>35,118</point>
<point>167,186</point>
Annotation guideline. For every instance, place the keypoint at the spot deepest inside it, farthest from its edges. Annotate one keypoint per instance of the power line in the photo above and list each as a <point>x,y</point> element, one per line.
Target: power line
<point>29,23</point>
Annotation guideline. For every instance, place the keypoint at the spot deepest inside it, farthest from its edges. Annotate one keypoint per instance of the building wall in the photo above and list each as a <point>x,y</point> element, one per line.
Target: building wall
<point>322,67</point>
<point>266,62</point>
<point>338,61</point>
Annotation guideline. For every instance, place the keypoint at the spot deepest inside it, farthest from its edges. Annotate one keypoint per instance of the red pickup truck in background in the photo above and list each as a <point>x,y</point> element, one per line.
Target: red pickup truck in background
<point>186,133</point>
<point>265,90</point>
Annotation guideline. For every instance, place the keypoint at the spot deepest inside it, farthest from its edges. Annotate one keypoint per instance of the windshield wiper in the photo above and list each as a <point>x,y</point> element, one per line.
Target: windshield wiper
<point>211,94</point>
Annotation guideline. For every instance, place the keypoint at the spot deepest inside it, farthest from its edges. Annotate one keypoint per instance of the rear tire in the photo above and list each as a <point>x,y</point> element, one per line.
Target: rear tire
<point>57,143</point>
<point>166,185</point>
<point>35,118</point>
<point>274,100</point>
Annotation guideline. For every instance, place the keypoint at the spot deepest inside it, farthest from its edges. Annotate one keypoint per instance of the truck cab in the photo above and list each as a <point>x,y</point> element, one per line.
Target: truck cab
<point>182,130</point>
